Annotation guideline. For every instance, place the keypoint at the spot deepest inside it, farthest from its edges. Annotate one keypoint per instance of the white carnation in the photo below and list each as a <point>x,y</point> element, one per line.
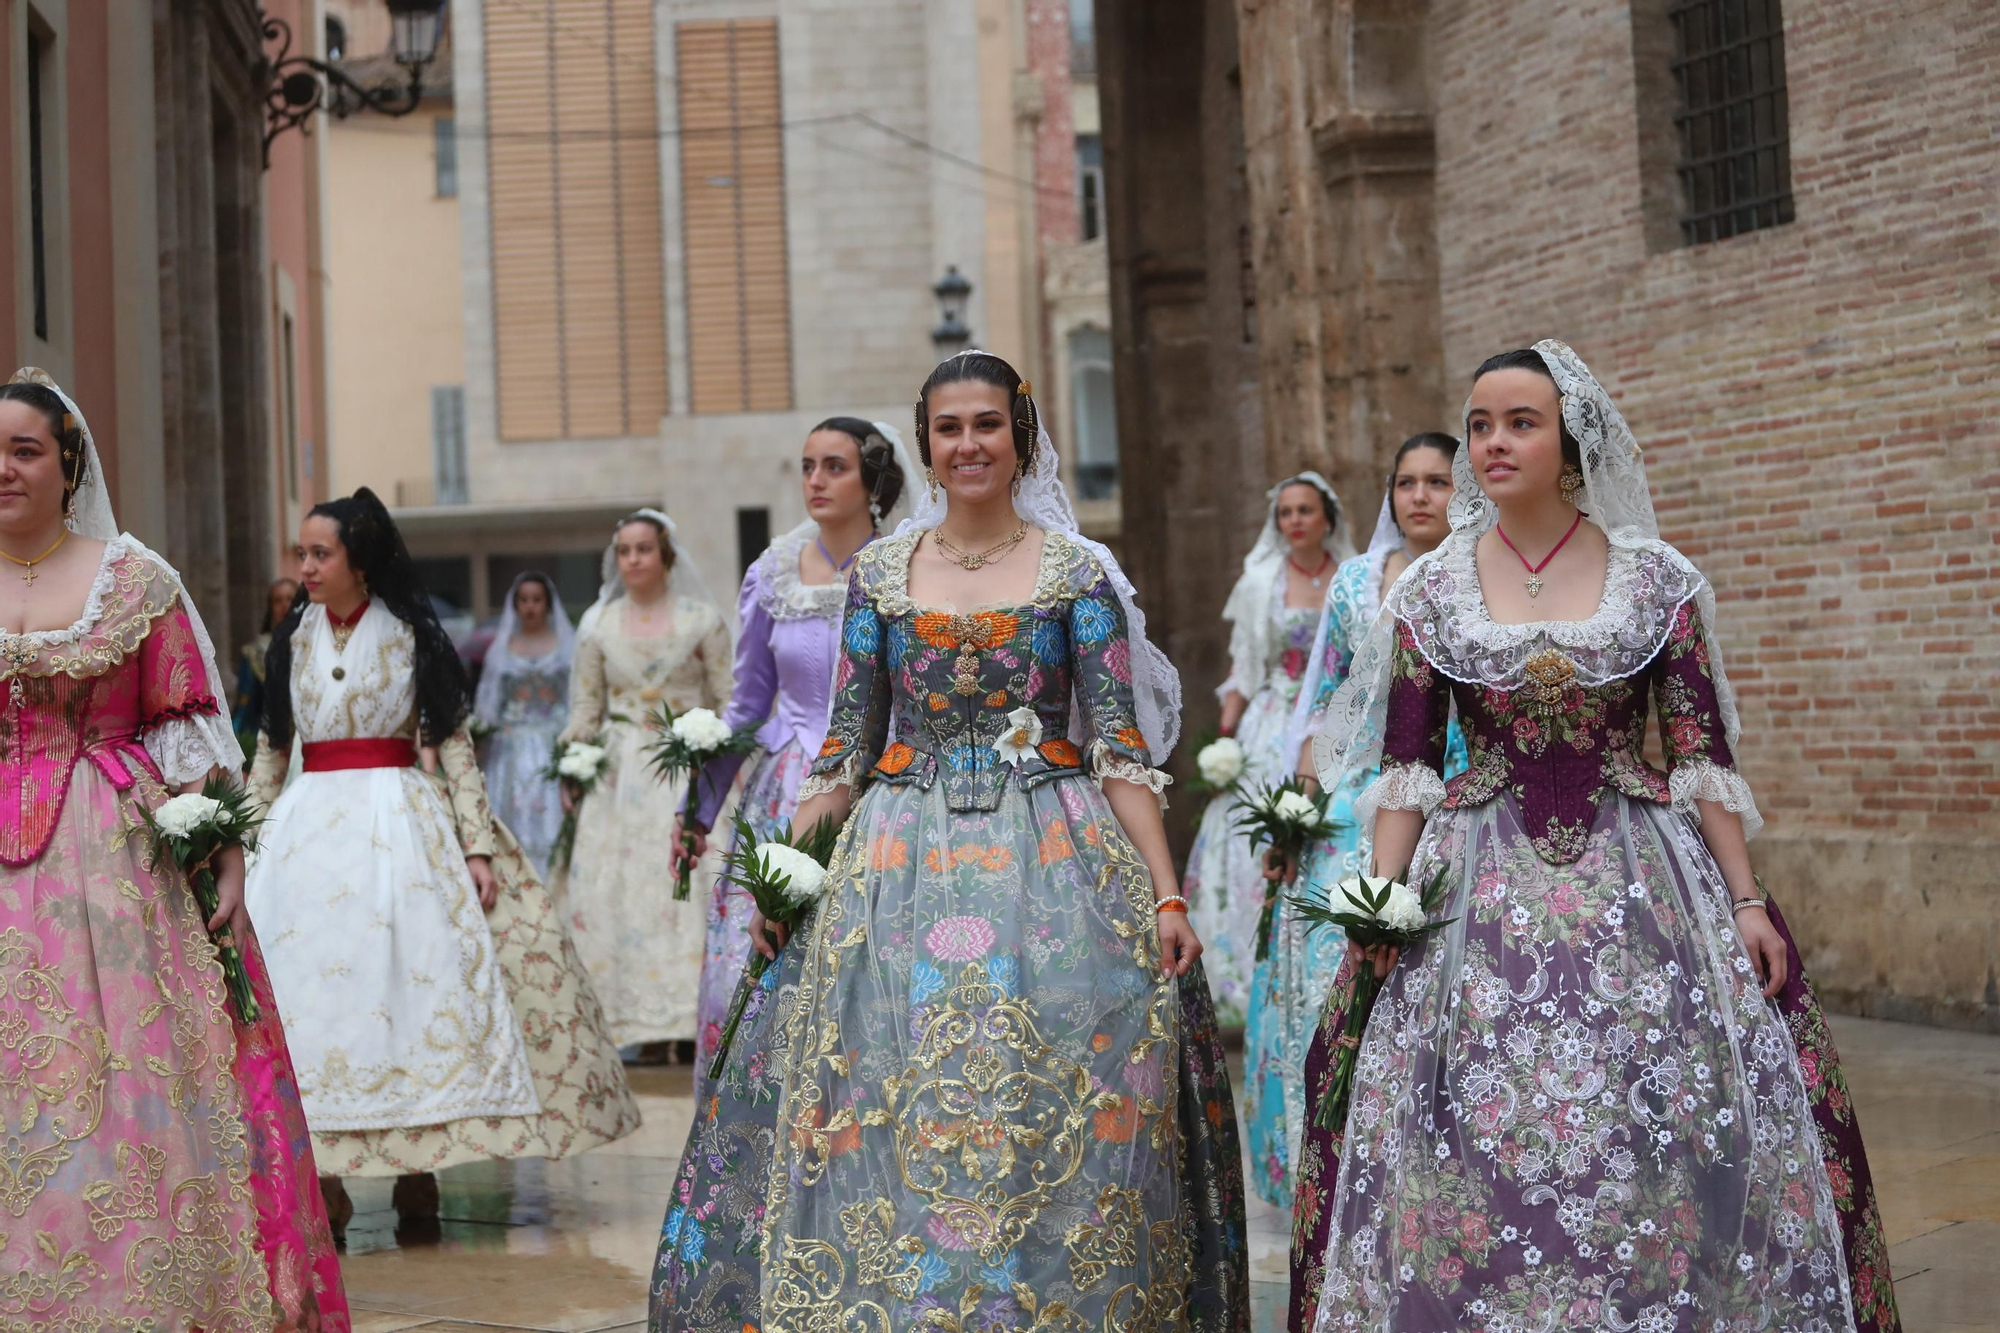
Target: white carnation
<point>581,761</point>
<point>1404,910</point>
<point>807,876</point>
<point>701,730</point>
<point>182,815</point>
<point>1295,807</point>
<point>1221,762</point>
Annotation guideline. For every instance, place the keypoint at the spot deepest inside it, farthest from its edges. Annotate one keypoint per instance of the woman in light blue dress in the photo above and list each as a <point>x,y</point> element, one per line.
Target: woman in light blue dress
<point>1290,985</point>
<point>1272,612</point>
<point>524,701</point>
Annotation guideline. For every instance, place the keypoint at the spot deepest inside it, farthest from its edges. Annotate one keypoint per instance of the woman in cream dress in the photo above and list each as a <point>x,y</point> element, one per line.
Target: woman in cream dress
<point>652,638</point>
<point>441,1014</point>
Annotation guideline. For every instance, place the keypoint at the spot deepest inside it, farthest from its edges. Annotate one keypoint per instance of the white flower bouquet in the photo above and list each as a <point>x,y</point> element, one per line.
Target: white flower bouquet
<point>1376,911</point>
<point>1219,766</point>
<point>580,764</point>
<point>1291,821</point>
<point>190,830</point>
<point>686,744</point>
<point>786,878</point>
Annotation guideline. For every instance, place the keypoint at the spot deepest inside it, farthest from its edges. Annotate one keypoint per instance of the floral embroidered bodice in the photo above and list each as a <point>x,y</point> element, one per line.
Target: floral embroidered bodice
<point>620,678</point>
<point>367,690</point>
<point>944,684</point>
<point>1292,630</point>
<point>129,667</point>
<point>1352,600</point>
<point>1555,712</point>
<point>534,691</point>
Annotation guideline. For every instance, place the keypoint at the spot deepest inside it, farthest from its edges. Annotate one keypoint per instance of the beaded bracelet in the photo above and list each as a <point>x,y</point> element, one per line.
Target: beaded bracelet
<point>1742,903</point>
<point>1173,902</point>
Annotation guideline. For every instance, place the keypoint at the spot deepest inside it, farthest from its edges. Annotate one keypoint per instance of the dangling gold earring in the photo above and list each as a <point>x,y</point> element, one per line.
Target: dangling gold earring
<point>1572,483</point>
<point>930,482</point>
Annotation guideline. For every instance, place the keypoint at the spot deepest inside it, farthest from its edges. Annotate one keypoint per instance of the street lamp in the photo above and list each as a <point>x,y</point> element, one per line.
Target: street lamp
<point>952,291</point>
<point>301,85</point>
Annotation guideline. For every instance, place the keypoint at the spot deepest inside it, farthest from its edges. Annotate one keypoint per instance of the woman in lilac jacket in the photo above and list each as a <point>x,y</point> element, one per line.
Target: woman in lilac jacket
<point>853,472</point>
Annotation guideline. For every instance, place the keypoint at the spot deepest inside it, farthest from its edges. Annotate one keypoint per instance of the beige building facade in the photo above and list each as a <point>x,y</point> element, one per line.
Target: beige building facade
<point>685,232</point>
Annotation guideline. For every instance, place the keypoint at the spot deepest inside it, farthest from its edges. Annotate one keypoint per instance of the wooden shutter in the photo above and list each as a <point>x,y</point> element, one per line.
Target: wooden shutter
<point>579,309</point>
<point>733,207</point>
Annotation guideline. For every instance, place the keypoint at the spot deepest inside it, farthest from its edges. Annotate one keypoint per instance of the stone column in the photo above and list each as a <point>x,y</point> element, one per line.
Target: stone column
<point>1344,236</point>
<point>214,349</point>
<point>1190,452</point>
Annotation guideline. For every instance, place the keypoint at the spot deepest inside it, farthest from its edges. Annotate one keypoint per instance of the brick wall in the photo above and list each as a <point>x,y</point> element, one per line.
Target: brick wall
<point>1817,406</point>
<point>1057,219</point>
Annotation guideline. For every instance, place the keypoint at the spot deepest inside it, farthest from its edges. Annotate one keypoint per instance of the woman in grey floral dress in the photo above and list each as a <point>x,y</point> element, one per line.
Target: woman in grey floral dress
<point>984,1088</point>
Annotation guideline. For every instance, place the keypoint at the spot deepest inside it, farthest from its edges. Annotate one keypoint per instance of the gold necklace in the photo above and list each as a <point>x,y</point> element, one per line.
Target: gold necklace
<point>972,560</point>
<point>28,574</point>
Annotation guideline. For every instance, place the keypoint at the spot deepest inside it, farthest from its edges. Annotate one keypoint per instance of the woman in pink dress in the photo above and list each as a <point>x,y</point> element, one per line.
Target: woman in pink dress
<point>156,1171</point>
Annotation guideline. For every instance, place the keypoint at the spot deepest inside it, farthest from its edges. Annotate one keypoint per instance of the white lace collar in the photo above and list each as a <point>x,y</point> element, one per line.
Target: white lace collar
<point>93,603</point>
<point>1646,582</point>
<point>887,567</point>
<point>784,595</point>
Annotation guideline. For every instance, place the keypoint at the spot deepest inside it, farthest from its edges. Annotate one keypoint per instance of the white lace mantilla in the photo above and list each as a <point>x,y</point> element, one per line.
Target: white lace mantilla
<point>783,594</point>
<point>1646,582</point>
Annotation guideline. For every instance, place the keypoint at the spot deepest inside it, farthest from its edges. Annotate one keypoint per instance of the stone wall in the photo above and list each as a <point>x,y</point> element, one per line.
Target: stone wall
<point>1427,185</point>
<point>1816,403</point>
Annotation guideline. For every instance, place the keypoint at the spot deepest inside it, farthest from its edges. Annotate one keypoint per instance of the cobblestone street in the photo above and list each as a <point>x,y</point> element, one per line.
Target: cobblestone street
<point>1929,1104</point>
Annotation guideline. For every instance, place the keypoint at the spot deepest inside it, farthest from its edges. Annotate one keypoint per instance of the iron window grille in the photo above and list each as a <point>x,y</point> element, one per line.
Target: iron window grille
<point>1735,134</point>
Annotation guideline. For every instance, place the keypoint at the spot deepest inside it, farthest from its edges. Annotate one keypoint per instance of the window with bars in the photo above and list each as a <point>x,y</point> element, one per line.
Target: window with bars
<point>1735,153</point>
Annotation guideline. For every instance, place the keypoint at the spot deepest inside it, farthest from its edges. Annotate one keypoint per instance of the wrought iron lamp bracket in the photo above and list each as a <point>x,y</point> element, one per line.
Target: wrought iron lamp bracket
<point>299,86</point>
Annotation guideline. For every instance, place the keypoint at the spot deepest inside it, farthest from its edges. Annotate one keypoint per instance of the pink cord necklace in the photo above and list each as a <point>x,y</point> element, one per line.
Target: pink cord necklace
<point>1535,571</point>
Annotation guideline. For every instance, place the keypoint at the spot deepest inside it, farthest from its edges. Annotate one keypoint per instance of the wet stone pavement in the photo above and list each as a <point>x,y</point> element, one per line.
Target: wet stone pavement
<point>534,1246</point>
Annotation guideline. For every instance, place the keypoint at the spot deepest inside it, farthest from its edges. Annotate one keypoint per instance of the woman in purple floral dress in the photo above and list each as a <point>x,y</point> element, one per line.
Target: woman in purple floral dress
<point>1601,1095</point>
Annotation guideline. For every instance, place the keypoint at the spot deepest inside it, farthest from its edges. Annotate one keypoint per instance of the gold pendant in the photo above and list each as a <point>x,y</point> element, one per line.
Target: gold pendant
<point>965,673</point>
<point>1534,586</point>
<point>28,576</point>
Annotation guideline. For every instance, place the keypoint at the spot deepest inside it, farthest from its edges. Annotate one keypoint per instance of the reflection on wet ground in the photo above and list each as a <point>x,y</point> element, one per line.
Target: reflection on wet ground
<point>566,1246</point>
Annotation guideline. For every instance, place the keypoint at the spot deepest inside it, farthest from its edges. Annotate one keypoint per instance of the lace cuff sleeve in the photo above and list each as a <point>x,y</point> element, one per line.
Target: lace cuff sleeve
<point>846,774</point>
<point>186,750</point>
<point>1106,762</point>
<point>1401,787</point>
<point>1704,780</point>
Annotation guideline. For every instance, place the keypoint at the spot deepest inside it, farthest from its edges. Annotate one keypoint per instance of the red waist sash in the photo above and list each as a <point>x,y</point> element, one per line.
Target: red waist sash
<point>371,752</point>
